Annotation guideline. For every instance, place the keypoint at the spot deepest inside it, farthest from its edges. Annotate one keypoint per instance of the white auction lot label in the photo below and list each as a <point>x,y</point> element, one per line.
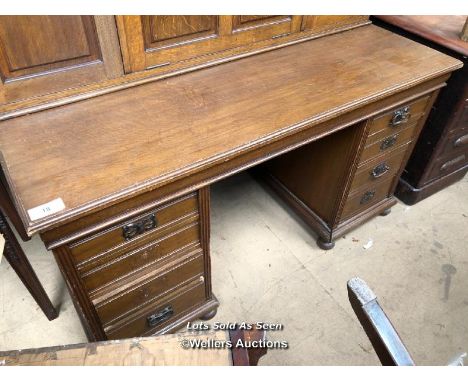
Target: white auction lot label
<point>46,209</point>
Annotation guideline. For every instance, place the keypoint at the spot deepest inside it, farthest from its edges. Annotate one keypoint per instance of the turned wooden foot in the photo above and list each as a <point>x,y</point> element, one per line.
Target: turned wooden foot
<point>386,212</point>
<point>325,244</point>
<point>209,315</point>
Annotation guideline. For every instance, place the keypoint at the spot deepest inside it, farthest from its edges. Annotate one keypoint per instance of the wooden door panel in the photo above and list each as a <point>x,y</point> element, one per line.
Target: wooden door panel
<point>43,54</point>
<point>249,21</point>
<point>152,41</point>
<point>326,22</point>
<point>164,31</point>
<point>251,29</point>
<point>33,45</point>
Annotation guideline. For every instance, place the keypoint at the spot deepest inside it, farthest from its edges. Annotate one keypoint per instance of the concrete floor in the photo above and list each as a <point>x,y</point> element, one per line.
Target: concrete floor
<point>266,267</point>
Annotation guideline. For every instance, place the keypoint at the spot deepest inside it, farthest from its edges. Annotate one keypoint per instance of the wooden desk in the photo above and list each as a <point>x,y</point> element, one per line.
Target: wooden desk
<point>133,167</point>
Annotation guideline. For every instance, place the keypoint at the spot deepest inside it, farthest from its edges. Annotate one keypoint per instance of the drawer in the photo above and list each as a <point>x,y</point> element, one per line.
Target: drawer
<point>448,164</point>
<point>143,228</point>
<point>153,318</point>
<point>128,263</point>
<point>387,144</point>
<point>379,169</point>
<point>461,124</point>
<point>456,142</point>
<point>398,118</point>
<point>167,278</point>
<point>364,198</point>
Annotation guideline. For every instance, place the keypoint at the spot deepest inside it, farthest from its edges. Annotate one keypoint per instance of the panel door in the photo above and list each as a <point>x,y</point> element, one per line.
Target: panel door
<point>44,54</point>
<point>325,22</point>
<point>155,41</point>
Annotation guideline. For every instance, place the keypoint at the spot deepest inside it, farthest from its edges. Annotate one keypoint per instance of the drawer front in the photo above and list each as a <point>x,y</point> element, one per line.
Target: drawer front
<point>379,169</point>
<point>387,144</point>
<point>366,198</point>
<point>448,164</point>
<point>166,280</point>
<point>162,313</point>
<point>397,119</point>
<point>133,261</point>
<point>143,228</point>
<point>461,123</point>
<point>456,142</point>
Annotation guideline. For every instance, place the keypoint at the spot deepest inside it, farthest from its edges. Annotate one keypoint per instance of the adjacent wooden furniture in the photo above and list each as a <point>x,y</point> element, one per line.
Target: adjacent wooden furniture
<point>128,166</point>
<point>167,350</point>
<point>440,157</point>
<point>21,265</point>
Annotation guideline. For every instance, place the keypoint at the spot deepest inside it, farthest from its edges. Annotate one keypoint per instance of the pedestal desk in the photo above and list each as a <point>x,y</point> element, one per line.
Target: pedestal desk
<point>111,164</point>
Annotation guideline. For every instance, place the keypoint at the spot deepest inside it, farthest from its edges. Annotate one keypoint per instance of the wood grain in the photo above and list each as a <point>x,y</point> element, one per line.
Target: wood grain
<point>40,55</point>
<point>188,123</point>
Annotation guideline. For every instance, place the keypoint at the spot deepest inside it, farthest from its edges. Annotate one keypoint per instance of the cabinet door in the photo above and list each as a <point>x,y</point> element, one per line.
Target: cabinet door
<point>156,41</point>
<point>323,23</point>
<point>44,54</point>
<point>152,41</point>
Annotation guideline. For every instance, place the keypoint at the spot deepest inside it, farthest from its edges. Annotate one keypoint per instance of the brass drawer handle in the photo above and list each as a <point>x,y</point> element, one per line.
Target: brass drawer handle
<point>452,162</point>
<point>400,116</point>
<point>131,230</point>
<point>367,197</point>
<point>461,141</point>
<point>156,318</point>
<point>388,142</point>
<point>380,170</point>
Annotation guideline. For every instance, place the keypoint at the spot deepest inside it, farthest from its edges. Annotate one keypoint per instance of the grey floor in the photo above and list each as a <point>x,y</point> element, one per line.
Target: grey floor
<point>266,267</point>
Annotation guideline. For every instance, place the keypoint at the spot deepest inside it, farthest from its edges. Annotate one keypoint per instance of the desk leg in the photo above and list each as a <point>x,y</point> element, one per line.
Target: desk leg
<point>21,265</point>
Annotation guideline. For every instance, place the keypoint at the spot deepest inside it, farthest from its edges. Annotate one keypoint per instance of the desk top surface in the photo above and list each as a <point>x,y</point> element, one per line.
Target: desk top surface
<point>107,148</point>
<point>442,30</point>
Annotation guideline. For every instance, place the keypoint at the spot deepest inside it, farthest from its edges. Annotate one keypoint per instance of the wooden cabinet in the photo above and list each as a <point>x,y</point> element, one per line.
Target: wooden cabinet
<point>440,157</point>
<point>142,274</point>
<point>50,60</point>
<point>345,179</point>
<point>44,54</point>
<point>155,41</point>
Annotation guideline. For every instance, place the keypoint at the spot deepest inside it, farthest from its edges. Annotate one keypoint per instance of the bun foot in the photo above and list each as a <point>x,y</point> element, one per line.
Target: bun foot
<point>386,212</point>
<point>325,244</point>
<point>209,315</point>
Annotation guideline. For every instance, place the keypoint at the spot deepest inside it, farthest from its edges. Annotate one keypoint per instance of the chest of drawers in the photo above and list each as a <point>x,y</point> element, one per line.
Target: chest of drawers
<point>145,271</point>
<point>334,202</point>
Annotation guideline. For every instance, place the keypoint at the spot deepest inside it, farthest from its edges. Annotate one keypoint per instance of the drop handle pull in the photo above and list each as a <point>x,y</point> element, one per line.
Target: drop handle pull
<point>160,316</point>
<point>131,230</point>
<point>461,141</point>
<point>388,142</point>
<point>380,170</point>
<point>400,116</point>
<point>367,197</point>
